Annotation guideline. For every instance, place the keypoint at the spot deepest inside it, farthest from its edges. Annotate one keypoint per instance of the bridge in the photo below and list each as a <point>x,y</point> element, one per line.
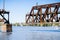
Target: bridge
<point>44,13</point>
<point>2,13</point>
<point>6,26</point>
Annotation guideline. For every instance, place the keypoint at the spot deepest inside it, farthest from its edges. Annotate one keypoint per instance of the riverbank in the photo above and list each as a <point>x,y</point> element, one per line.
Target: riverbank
<point>45,24</point>
<point>42,24</point>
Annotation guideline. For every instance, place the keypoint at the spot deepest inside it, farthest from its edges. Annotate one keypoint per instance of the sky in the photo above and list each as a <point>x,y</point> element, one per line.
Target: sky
<point>19,8</point>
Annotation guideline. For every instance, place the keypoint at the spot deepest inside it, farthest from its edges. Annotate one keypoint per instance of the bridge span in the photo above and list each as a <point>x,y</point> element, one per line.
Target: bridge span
<point>44,13</point>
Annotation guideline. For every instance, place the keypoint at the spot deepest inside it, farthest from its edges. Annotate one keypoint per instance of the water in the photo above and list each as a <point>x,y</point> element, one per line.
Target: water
<point>32,33</point>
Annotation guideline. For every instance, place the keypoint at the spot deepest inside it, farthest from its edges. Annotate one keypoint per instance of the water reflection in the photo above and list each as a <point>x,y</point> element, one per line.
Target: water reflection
<point>5,36</point>
<point>44,36</point>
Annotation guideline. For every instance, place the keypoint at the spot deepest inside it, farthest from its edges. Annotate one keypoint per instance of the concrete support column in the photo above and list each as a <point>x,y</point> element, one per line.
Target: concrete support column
<point>6,28</point>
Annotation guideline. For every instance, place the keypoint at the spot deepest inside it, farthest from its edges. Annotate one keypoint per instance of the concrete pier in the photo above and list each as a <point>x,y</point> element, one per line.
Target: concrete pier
<point>6,28</point>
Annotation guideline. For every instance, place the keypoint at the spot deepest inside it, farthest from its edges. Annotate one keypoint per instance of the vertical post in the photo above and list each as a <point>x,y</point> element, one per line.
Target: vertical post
<point>50,14</point>
<point>40,15</point>
<point>8,18</point>
<point>33,17</point>
<point>46,11</point>
<point>25,19</point>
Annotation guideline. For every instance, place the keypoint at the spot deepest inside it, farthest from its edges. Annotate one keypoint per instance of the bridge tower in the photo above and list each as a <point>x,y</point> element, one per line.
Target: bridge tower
<point>6,26</point>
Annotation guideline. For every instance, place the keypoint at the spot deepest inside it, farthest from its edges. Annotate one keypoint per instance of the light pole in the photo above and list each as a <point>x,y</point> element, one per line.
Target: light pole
<point>3,4</point>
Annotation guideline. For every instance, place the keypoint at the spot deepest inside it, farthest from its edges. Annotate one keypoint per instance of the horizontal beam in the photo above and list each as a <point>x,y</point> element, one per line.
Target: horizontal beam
<point>4,12</point>
<point>40,14</point>
<point>47,5</point>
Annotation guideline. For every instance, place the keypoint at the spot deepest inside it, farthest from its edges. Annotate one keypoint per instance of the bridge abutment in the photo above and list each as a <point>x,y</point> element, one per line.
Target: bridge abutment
<point>6,28</point>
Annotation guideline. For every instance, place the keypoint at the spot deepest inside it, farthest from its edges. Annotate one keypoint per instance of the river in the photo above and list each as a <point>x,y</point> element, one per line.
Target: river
<point>31,33</point>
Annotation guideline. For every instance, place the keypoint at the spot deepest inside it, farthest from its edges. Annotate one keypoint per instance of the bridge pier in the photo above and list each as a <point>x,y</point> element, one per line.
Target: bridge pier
<point>6,28</point>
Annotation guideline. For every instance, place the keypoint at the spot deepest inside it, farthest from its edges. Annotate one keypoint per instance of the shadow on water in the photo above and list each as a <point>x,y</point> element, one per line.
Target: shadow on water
<point>5,35</point>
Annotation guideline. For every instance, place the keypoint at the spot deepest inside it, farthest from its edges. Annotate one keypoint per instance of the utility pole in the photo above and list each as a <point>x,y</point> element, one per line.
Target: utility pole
<point>36,3</point>
<point>3,4</point>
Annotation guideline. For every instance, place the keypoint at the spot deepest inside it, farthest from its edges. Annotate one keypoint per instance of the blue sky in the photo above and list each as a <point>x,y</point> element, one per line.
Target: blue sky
<point>19,8</point>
